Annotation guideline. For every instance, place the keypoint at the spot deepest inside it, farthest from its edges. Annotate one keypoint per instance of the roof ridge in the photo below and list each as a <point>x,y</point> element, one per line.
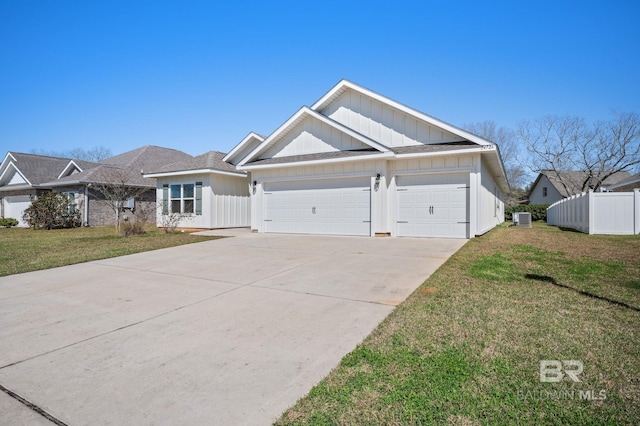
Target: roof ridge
<point>40,155</point>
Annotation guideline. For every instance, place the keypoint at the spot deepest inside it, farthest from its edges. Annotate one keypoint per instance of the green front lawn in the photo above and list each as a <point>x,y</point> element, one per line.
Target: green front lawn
<point>466,347</point>
<point>24,250</point>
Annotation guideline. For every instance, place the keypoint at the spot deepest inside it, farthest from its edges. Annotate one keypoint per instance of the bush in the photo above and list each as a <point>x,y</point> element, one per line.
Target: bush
<point>132,228</point>
<point>52,210</point>
<point>8,222</point>
<point>538,211</point>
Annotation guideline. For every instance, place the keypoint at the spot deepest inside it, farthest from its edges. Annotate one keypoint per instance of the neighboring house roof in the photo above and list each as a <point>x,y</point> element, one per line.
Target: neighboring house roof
<point>35,169</point>
<point>209,162</point>
<point>148,157</point>
<point>574,181</point>
<point>629,181</point>
<point>41,171</point>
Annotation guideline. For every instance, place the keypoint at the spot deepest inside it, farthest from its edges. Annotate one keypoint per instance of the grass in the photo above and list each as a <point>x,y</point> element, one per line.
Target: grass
<point>465,348</point>
<point>25,250</point>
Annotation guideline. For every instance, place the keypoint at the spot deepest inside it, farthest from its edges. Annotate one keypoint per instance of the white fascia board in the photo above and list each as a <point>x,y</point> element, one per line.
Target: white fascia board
<point>11,164</point>
<point>271,137</point>
<point>247,139</point>
<point>501,169</point>
<point>71,163</point>
<point>14,188</point>
<point>7,158</point>
<point>495,162</point>
<point>58,184</point>
<point>319,162</point>
<point>345,84</point>
<point>306,111</point>
<point>193,172</point>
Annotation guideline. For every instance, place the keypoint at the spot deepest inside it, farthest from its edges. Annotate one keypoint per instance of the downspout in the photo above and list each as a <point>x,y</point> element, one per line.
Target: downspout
<point>86,204</point>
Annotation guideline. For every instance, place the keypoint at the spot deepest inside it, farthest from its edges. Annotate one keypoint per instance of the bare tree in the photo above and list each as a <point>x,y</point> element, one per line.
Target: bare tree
<point>117,187</point>
<point>597,150</point>
<point>509,147</point>
<point>94,154</point>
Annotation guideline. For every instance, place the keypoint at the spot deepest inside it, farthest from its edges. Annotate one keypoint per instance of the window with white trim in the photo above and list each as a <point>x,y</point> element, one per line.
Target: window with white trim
<point>185,198</point>
<point>71,207</point>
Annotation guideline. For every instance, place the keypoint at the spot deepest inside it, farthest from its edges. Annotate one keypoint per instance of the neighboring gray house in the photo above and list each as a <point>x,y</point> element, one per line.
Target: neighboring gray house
<point>23,176</point>
<point>548,188</point>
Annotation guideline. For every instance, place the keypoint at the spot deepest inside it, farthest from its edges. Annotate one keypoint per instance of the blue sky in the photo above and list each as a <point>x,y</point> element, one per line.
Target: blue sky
<point>198,76</point>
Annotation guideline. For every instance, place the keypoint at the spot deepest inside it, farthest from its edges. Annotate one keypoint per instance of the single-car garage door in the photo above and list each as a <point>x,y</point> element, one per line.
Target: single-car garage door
<point>15,206</point>
<point>322,206</point>
<point>434,205</point>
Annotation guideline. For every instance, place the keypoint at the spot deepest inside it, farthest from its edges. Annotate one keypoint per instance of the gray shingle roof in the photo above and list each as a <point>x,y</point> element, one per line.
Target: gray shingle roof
<point>436,147</point>
<point>44,171</point>
<point>574,180</point>
<point>313,157</point>
<point>211,160</point>
<point>39,168</point>
<point>147,158</point>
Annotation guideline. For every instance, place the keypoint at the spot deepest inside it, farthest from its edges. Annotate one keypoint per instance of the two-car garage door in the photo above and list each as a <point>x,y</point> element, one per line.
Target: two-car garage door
<point>322,206</point>
<point>434,205</point>
<point>430,205</point>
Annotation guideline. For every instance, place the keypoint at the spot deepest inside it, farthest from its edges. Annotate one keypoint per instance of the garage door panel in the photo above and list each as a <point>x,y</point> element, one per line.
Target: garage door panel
<point>329,206</point>
<point>433,205</point>
<point>14,207</point>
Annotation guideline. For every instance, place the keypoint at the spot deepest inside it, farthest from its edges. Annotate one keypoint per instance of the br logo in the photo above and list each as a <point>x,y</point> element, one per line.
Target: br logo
<point>553,371</point>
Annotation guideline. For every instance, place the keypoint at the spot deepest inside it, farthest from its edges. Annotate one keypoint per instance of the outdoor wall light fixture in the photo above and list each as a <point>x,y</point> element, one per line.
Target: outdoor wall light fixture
<point>378,178</point>
<point>377,184</point>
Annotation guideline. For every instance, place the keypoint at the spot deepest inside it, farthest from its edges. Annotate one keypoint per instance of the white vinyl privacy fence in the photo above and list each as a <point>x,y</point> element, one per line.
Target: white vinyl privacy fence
<point>598,212</point>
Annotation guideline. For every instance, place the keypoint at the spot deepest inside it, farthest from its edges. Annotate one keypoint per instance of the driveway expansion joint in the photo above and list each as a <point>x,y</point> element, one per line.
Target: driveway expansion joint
<point>33,407</point>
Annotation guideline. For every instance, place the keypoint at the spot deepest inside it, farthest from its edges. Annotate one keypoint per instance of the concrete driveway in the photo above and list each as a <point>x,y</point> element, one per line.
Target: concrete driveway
<point>231,331</point>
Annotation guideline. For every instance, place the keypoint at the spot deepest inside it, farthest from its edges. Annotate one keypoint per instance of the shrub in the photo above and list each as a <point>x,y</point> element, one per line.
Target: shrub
<point>52,210</point>
<point>8,222</point>
<point>538,211</point>
<point>132,228</point>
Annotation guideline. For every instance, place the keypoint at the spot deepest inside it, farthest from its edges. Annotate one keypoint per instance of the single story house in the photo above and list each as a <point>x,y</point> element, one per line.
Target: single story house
<point>359,163</point>
<point>24,176</point>
<point>202,192</point>
<point>548,187</point>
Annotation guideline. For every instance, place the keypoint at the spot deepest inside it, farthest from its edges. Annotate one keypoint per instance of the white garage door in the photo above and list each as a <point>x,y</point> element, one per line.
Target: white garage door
<point>433,205</point>
<point>15,206</point>
<point>324,206</point>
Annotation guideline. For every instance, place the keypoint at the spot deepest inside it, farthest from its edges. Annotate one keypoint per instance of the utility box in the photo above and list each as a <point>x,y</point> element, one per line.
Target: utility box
<point>522,219</point>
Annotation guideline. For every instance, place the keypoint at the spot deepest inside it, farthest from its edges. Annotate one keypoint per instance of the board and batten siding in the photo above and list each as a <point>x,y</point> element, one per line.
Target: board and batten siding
<point>382,123</point>
<point>491,207</point>
<point>230,202</point>
<point>225,201</point>
<point>312,136</point>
